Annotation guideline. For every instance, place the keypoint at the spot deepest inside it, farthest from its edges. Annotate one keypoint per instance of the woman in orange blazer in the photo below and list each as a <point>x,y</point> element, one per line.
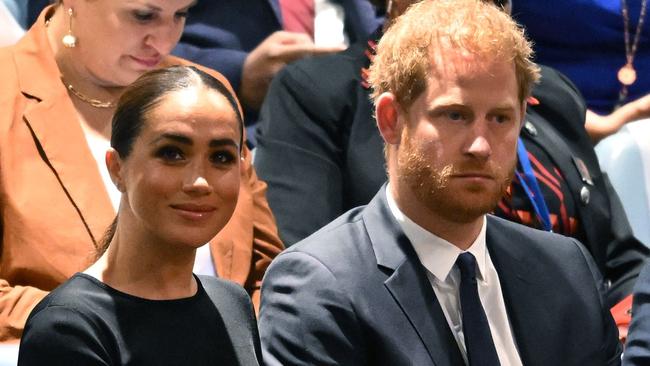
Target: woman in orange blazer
<point>59,84</point>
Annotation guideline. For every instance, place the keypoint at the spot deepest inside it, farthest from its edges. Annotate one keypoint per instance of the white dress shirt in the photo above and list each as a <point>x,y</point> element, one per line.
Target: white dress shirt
<point>439,256</point>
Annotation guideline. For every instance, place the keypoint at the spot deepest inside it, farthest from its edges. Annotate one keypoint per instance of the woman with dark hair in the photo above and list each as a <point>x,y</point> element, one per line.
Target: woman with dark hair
<point>176,158</point>
<point>60,84</point>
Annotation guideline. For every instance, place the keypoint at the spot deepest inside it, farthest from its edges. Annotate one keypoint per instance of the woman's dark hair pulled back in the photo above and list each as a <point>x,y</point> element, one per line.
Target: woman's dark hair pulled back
<point>145,94</point>
<point>148,90</point>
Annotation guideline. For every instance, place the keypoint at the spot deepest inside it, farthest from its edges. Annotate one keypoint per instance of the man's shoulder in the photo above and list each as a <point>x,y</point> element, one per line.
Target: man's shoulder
<point>337,68</point>
<point>533,239</point>
<point>553,249</point>
<point>339,236</point>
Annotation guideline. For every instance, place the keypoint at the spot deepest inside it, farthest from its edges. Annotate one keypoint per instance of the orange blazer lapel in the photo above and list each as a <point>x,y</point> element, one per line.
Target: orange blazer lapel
<point>53,122</point>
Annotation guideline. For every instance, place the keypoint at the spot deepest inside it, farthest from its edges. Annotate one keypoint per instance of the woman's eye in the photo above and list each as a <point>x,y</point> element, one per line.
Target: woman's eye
<point>222,157</point>
<point>170,154</point>
<point>182,14</point>
<point>143,16</point>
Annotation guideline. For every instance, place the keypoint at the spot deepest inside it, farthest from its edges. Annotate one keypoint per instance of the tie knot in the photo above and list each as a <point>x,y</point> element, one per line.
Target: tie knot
<point>467,265</point>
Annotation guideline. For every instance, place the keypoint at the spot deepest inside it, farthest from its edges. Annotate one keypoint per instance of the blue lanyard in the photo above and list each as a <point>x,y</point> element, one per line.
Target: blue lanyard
<point>529,183</point>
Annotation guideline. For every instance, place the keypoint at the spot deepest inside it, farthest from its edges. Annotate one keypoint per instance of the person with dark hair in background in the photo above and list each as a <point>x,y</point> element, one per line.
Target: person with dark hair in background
<point>320,153</point>
<point>60,84</point>
<point>176,157</point>
<point>422,275</point>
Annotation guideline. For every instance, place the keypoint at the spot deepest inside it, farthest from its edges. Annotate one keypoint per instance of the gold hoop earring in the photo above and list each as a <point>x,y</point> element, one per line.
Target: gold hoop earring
<point>69,40</point>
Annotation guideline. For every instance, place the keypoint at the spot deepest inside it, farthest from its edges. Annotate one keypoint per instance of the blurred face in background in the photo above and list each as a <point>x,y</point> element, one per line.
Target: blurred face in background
<point>119,40</point>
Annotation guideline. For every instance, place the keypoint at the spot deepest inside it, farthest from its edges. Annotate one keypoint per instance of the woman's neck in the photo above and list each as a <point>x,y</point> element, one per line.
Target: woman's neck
<point>72,70</point>
<point>145,267</point>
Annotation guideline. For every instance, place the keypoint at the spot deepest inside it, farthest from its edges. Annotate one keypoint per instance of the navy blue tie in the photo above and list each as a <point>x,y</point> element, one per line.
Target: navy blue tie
<point>478,339</point>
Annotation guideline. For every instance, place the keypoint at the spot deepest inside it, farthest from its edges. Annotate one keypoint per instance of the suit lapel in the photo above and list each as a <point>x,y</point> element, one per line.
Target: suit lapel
<point>53,122</point>
<point>408,283</point>
<point>275,6</point>
<point>518,275</point>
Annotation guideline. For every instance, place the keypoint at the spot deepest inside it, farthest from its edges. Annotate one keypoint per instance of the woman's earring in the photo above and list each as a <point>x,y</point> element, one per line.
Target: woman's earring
<point>69,40</point>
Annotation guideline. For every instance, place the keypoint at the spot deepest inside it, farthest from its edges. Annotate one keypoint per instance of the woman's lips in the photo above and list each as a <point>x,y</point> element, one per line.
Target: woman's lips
<point>147,62</point>
<point>194,211</point>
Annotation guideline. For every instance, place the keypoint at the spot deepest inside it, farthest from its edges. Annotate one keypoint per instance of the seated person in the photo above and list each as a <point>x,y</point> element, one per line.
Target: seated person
<point>176,155</point>
<point>320,152</point>
<point>422,275</point>
<point>637,348</point>
<point>57,101</point>
<point>248,41</point>
<point>607,54</point>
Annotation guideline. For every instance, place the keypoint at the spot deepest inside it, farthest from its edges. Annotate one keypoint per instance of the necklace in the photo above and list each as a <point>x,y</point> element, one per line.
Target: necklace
<point>627,73</point>
<point>93,102</point>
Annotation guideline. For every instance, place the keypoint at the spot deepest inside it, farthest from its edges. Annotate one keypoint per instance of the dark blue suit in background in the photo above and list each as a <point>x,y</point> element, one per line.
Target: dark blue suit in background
<point>637,348</point>
<point>220,33</point>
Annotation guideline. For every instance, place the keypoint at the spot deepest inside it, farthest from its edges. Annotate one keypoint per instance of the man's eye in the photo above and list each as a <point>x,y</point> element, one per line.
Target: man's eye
<point>170,154</point>
<point>455,116</point>
<point>502,118</point>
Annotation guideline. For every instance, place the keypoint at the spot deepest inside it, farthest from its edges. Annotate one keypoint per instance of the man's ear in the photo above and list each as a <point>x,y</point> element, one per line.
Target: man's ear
<point>387,111</point>
<point>114,165</point>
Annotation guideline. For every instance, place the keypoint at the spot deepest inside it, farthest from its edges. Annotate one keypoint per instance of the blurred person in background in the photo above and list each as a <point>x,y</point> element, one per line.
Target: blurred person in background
<point>61,82</point>
<point>603,46</point>
<point>250,41</point>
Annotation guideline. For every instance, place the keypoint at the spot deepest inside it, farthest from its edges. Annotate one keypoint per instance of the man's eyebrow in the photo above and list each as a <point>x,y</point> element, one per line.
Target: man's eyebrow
<point>504,108</point>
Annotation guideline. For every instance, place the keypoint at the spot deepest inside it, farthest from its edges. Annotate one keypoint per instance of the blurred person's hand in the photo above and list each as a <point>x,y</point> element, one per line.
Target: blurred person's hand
<point>599,126</point>
<point>277,50</point>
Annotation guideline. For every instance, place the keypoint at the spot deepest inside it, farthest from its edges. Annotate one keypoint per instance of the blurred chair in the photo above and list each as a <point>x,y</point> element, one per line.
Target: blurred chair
<point>625,157</point>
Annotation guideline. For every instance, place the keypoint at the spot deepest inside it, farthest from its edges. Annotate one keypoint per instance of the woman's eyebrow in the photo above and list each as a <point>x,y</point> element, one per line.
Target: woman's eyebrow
<point>174,137</point>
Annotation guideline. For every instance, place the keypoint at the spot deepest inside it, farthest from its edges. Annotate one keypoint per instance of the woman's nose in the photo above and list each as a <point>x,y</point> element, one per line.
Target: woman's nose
<point>197,185</point>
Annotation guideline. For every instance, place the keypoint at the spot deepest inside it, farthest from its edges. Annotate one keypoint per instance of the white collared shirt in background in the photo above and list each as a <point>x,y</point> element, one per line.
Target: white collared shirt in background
<point>438,256</point>
<point>329,24</point>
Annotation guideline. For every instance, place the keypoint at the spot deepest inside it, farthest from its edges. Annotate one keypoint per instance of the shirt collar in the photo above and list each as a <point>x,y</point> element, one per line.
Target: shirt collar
<point>437,255</point>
